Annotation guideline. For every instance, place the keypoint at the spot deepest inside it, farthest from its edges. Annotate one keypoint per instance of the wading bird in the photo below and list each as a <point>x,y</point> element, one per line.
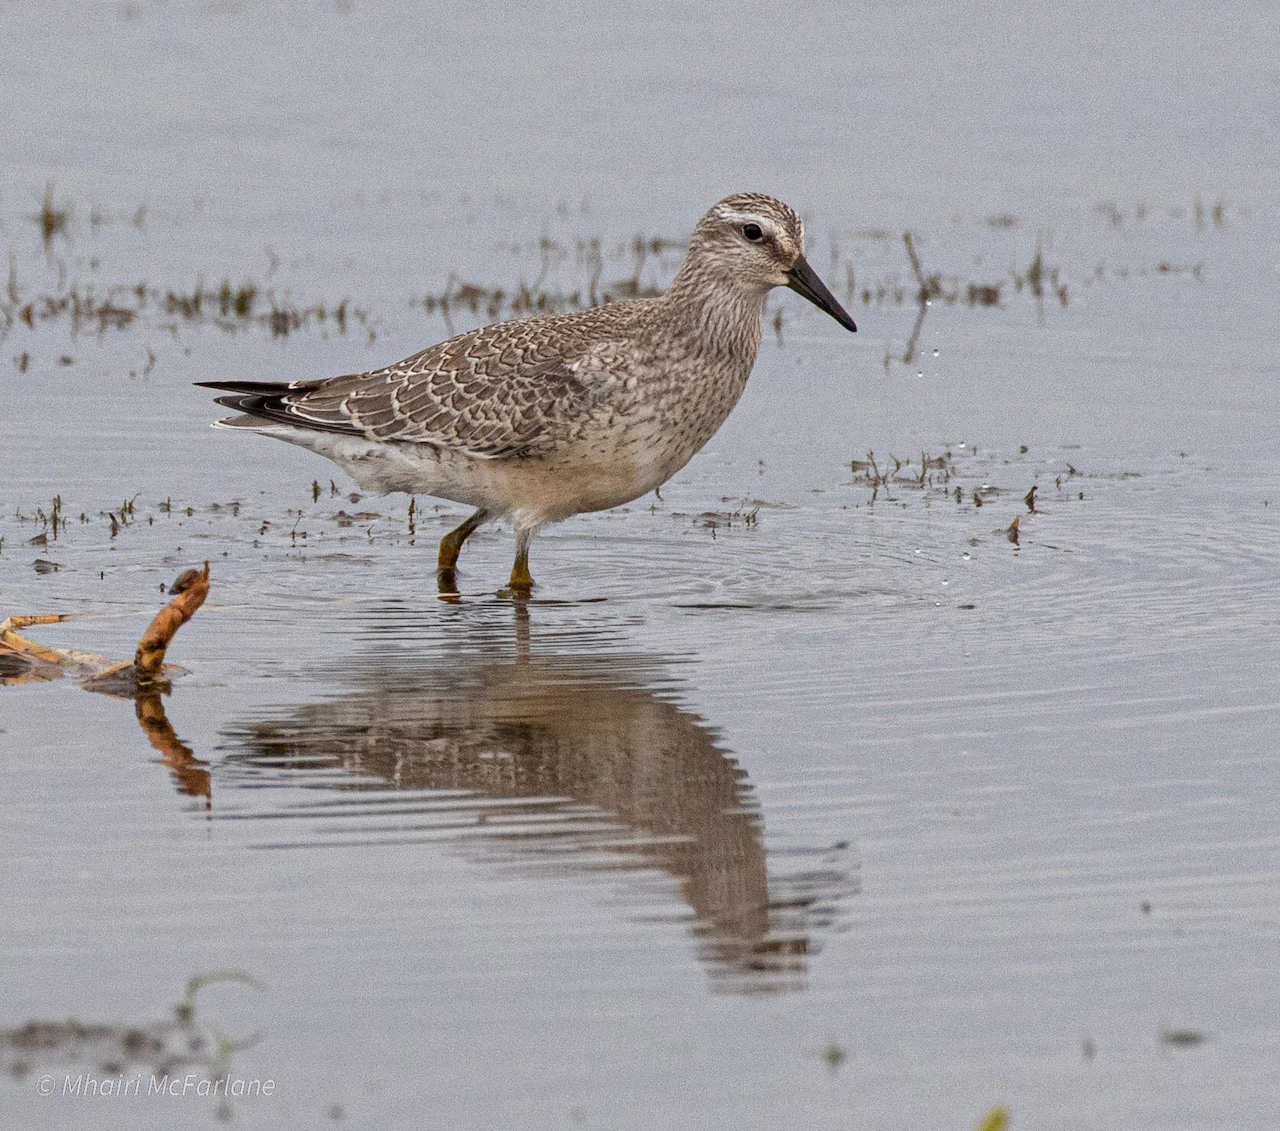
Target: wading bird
<point>542,418</point>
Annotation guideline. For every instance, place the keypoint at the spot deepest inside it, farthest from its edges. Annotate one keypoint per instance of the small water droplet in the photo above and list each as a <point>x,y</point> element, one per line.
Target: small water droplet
<point>966,556</point>
<point>945,581</point>
<point>919,551</point>
<point>935,353</point>
<point>919,372</point>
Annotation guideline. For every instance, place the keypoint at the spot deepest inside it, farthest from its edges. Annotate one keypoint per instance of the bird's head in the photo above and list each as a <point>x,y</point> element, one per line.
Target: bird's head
<point>756,241</point>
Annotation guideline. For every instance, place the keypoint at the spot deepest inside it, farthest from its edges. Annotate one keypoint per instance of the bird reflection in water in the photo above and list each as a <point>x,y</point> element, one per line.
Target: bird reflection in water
<point>559,754</point>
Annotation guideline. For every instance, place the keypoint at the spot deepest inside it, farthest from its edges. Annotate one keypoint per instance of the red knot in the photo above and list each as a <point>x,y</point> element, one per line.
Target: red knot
<point>542,418</point>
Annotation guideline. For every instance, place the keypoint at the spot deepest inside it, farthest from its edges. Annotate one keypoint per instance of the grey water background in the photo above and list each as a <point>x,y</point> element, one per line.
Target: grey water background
<point>855,814</point>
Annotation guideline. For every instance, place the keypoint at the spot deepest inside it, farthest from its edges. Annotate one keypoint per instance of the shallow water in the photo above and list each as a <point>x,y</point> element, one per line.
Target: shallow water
<point>790,799</point>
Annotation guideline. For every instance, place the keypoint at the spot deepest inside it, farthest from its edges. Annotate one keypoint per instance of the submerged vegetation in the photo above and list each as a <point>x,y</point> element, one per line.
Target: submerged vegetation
<point>321,519</point>
<point>127,1060</point>
<point>52,219</point>
<point>588,258</point>
<point>571,274</point>
<point>228,307</point>
<point>959,476</point>
<point>1039,279</point>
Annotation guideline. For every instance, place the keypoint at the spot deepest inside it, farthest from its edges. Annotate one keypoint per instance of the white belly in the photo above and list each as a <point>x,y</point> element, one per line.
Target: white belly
<point>604,467</point>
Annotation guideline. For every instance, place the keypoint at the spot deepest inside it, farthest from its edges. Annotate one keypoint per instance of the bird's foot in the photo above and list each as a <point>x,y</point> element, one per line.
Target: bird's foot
<point>521,581</point>
<point>447,584</point>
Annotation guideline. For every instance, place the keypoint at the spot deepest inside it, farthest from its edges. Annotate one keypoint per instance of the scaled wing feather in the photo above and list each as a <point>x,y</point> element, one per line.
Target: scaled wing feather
<point>490,396</point>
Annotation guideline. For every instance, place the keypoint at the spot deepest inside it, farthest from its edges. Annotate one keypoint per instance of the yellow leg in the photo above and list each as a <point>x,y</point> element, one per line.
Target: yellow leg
<point>451,543</point>
<point>447,585</point>
<point>521,579</point>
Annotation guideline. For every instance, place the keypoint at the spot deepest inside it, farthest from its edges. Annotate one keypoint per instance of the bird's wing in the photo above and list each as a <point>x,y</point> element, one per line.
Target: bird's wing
<point>500,391</point>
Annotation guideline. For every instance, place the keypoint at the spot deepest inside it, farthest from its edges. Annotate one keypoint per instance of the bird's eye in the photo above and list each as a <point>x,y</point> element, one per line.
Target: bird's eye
<point>753,232</point>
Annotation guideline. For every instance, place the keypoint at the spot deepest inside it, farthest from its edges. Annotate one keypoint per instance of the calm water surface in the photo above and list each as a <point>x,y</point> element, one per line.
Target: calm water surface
<point>795,797</point>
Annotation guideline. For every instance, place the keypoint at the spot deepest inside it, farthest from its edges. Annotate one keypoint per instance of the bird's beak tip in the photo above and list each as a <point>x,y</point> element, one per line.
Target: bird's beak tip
<point>804,281</point>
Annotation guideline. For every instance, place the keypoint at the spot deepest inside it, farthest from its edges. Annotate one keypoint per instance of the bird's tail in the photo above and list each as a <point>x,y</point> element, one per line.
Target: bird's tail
<point>256,388</point>
<point>267,403</point>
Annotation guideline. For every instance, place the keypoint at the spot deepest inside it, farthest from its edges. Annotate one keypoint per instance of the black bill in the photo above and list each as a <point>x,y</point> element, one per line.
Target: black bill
<point>804,281</point>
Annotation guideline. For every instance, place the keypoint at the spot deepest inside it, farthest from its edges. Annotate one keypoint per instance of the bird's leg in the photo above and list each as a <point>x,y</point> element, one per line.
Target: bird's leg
<point>521,579</point>
<point>451,545</point>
